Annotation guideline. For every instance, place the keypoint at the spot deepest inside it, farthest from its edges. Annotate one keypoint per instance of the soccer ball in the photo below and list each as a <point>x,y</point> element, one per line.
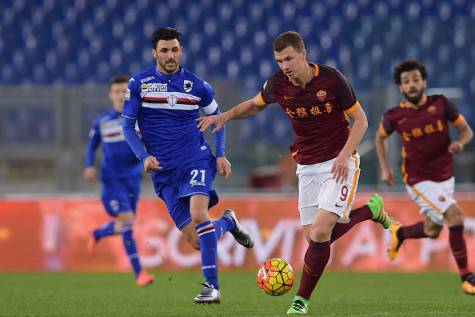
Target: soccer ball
<point>275,277</point>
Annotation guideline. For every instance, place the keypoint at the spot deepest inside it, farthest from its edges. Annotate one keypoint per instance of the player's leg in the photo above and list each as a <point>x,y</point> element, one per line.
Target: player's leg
<point>227,222</point>
<point>372,210</point>
<point>315,260</point>
<point>111,206</point>
<point>206,232</point>
<point>127,219</point>
<point>433,201</point>
<point>454,219</point>
<point>317,188</point>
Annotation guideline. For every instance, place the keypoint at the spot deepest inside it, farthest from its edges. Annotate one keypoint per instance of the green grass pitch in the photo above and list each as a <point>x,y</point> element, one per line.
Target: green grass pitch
<point>338,294</point>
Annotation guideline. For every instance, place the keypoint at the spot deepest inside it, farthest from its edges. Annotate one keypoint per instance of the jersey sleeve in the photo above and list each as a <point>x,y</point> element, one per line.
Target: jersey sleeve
<point>345,94</point>
<point>210,107</point>
<point>207,102</point>
<point>386,127</point>
<point>93,143</point>
<point>452,113</point>
<point>132,100</point>
<point>267,94</point>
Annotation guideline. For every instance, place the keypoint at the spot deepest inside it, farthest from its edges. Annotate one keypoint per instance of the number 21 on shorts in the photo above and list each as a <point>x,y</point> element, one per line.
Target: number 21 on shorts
<point>198,177</point>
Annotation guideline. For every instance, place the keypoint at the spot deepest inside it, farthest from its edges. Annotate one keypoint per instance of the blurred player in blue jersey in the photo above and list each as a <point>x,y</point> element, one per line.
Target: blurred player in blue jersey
<point>121,173</point>
<point>166,101</point>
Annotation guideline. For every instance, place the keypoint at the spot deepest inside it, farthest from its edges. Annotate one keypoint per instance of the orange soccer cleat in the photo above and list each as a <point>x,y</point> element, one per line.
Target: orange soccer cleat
<point>144,279</point>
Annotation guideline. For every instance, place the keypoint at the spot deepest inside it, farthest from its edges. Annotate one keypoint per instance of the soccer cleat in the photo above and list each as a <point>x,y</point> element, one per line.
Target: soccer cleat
<point>299,306</point>
<point>468,284</point>
<point>396,243</point>
<point>91,244</point>
<point>144,279</point>
<point>240,234</point>
<point>376,205</point>
<point>208,295</point>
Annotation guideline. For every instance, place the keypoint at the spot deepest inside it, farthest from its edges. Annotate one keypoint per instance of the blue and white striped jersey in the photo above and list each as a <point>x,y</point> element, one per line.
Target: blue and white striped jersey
<point>118,159</point>
<point>166,108</point>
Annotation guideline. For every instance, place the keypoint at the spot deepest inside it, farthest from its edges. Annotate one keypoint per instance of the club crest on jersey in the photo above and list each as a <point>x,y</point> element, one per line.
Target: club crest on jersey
<point>431,109</point>
<point>321,95</point>
<point>187,85</point>
<point>172,99</point>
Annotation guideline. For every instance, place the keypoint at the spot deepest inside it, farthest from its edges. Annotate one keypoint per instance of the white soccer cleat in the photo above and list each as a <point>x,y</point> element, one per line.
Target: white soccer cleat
<point>208,295</point>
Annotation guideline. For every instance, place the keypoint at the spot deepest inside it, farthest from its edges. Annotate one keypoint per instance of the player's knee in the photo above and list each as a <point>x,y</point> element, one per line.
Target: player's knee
<point>320,234</point>
<point>200,217</point>
<point>454,216</point>
<point>126,217</point>
<point>433,233</point>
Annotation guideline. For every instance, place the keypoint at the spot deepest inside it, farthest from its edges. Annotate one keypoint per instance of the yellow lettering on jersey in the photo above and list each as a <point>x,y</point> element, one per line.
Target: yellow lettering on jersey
<point>417,132</point>
<point>440,126</point>
<point>290,112</point>
<point>406,136</point>
<point>315,111</point>
<point>429,128</point>
<point>302,112</point>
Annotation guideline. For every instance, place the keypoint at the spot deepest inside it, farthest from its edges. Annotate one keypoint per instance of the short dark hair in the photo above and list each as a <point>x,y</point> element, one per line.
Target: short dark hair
<point>119,79</point>
<point>286,39</point>
<point>407,66</point>
<point>166,33</point>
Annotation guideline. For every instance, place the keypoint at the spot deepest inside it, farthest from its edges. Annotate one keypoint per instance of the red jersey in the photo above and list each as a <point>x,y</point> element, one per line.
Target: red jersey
<point>317,113</point>
<point>425,137</point>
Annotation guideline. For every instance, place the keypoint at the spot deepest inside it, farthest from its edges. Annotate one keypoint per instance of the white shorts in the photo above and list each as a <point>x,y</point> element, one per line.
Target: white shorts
<point>433,198</point>
<point>318,189</point>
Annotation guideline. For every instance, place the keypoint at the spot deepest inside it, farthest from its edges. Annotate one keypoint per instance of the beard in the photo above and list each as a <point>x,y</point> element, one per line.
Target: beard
<point>169,66</point>
<point>414,99</point>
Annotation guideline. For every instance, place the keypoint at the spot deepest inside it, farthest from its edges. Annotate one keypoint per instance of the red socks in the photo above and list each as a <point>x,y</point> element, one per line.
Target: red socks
<point>316,258</point>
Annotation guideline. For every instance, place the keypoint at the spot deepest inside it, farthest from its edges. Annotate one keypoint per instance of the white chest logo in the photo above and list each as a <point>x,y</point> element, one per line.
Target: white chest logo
<point>172,99</point>
<point>187,85</point>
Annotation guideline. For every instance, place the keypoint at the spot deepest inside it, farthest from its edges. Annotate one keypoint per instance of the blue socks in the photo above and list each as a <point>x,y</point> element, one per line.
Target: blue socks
<point>131,248</point>
<point>104,231</point>
<point>222,226</point>
<point>209,251</point>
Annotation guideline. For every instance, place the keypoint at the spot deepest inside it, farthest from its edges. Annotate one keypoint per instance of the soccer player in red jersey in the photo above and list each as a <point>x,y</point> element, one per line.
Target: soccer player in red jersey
<point>317,99</point>
<point>422,121</point>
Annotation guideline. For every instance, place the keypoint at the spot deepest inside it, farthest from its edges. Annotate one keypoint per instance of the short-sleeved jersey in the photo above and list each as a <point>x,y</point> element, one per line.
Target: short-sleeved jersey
<point>118,159</point>
<point>317,113</point>
<point>166,108</point>
<point>425,137</point>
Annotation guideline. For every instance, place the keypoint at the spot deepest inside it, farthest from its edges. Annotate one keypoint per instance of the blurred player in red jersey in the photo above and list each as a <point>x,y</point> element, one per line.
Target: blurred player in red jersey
<point>422,121</point>
<point>317,99</point>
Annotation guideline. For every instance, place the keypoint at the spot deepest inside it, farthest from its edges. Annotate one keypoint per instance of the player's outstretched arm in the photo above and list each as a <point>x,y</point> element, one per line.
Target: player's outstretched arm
<point>381,145</point>
<point>465,136</point>
<point>243,110</point>
<point>360,125</point>
<point>93,143</point>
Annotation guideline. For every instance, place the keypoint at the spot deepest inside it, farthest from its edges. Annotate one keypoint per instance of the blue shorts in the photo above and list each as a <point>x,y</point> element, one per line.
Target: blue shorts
<point>176,186</point>
<point>120,195</point>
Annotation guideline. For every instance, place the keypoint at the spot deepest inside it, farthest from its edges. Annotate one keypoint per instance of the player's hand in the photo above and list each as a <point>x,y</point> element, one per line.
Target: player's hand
<point>340,169</point>
<point>205,122</point>
<point>387,176</point>
<point>151,164</point>
<point>455,147</point>
<point>89,173</point>
<point>224,167</point>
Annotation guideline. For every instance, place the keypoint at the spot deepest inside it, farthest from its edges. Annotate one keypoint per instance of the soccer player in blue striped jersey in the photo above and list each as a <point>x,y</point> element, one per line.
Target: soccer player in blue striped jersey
<point>166,101</point>
<point>121,174</point>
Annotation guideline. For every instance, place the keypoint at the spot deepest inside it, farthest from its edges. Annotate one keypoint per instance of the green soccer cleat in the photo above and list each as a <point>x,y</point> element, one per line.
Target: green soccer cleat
<point>299,306</point>
<point>376,205</point>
